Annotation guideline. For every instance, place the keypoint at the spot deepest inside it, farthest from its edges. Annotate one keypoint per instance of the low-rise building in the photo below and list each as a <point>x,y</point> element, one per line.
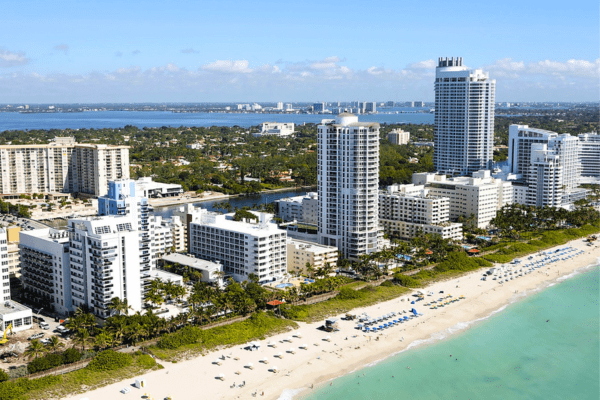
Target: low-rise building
<point>407,210</point>
<point>212,272</point>
<point>480,196</point>
<point>16,315</point>
<point>276,129</point>
<point>300,252</point>
<point>146,187</point>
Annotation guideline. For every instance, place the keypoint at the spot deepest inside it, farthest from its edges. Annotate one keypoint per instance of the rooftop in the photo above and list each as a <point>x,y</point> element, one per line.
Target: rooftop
<point>192,262</point>
<point>9,306</point>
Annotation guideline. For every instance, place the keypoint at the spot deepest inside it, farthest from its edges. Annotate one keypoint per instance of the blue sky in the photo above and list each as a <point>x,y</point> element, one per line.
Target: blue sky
<point>292,51</point>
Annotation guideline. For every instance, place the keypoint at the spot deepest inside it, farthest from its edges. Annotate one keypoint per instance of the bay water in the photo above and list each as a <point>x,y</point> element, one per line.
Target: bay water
<point>544,346</point>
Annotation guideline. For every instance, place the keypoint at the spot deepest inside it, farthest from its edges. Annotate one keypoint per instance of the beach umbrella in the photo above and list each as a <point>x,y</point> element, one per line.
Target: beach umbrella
<point>249,366</point>
<point>217,361</point>
<point>279,355</point>
<point>327,338</point>
<point>274,369</point>
<point>265,360</point>
<point>292,350</point>
<point>221,377</point>
<point>298,334</point>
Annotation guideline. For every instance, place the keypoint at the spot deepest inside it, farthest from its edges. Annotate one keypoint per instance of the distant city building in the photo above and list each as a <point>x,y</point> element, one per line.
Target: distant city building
<point>418,104</point>
<point>389,104</point>
<point>410,104</point>
<point>276,129</point>
<point>479,196</point>
<point>194,146</point>
<point>369,107</point>
<point>348,180</point>
<point>303,209</point>
<point>398,136</point>
<point>407,210</point>
<point>300,252</point>
<point>590,154</point>
<point>243,248</point>
<point>464,118</point>
<point>62,166</point>
<point>319,107</point>
<point>288,106</point>
<point>279,105</point>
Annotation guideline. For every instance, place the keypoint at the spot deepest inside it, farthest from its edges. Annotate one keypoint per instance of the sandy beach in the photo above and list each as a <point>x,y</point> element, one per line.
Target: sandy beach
<point>299,368</point>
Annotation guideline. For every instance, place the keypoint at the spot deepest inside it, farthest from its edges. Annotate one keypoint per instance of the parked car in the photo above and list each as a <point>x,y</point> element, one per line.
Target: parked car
<point>44,326</point>
<point>36,336</point>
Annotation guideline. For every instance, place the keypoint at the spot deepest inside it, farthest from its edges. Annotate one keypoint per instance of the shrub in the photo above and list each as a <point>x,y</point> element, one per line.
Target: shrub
<point>44,363</point>
<point>349,294</point>
<point>188,335</point>
<point>3,376</point>
<point>386,283</point>
<point>406,280</point>
<point>146,361</point>
<point>109,360</point>
<point>17,372</point>
<point>70,356</point>
<point>16,390</point>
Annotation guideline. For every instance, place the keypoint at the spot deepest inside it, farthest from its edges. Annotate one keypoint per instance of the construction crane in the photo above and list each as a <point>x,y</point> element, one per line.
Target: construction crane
<point>4,339</point>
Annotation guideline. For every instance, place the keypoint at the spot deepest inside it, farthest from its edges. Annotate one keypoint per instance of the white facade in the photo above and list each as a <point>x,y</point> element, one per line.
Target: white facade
<point>348,180</point>
<point>62,166</point>
<point>589,154</point>
<point>300,252</point>
<point>146,187</point>
<point>178,230</point>
<point>211,271</point>
<point>406,210</point>
<point>242,248</point>
<point>480,196</point>
<point>300,208</point>
<point>464,118</point>
<point>276,129</point>
<point>549,164</point>
<point>4,267</point>
<point>106,261</point>
<point>161,238</point>
<point>16,315</point>
<point>45,268</point>
<point>398,136</point>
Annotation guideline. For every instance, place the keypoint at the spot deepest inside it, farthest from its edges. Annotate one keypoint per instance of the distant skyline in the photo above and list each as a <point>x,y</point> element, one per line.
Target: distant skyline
<point>226,51</point>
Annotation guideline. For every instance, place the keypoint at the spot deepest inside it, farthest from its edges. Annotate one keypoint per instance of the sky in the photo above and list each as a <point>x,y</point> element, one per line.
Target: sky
<point>241,51</point>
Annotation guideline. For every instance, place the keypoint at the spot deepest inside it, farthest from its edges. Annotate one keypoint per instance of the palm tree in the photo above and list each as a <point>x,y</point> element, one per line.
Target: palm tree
<point>82,337</point>
<point>103,340</point>
<point>117,327</point>
<point>119,306</point>
<point>35,349</point>
<point>54,345</point>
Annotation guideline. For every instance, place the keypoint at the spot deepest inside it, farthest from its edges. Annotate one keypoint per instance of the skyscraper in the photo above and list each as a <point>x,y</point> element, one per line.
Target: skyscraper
<point>464,118</point>
<point>348,180</point>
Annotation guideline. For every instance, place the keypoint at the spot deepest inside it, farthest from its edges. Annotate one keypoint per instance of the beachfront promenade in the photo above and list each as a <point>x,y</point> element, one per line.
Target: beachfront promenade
<point>287,361</point>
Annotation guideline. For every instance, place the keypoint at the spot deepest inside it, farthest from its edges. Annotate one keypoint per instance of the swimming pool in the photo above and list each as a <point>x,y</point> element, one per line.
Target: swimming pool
<point>283,285</point>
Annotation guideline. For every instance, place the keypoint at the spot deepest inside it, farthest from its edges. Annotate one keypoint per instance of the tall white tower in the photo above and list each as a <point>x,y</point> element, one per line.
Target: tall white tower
<point>464,118</point>
<point>348,180</point>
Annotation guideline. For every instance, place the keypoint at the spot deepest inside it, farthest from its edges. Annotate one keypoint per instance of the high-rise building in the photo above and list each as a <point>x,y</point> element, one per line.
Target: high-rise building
<point>464,118</point>
<point>4,268</point>
<point>547,163</point>
<point>319,107</point>
<point>589,154</point>
<point>62,166</point>
<point>348,180</point>
<point>279,105</point>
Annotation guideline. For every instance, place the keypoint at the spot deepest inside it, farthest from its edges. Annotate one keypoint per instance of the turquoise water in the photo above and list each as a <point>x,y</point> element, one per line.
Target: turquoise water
<point>515,354</point>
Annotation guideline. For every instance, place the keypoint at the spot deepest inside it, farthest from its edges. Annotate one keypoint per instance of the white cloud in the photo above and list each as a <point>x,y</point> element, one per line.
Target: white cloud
<point>226,80</point>
<point>12,59</point>
<point>228,66</point>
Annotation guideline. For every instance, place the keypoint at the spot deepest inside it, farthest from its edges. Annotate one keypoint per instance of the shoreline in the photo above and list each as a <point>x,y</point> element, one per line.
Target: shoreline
<point>350,349</point>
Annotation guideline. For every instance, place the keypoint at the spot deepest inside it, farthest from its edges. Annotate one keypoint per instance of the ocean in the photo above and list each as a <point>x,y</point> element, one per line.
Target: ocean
<point>545,346</point>
<point>118,119</point>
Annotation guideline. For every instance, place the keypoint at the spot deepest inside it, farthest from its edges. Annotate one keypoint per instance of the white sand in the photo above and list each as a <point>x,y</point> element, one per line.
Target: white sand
<point>348,349</point>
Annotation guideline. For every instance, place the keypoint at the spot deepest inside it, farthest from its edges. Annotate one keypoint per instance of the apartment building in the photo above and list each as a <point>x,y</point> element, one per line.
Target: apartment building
<point>546,162</point>
<point>242,248</point>
<point>4,268</point>
<point>348,180</point>
<point>303,209</point>
<point>589,154</point>
<point>398,136</point>
<point>161,238</point>
<point>45,268</point>
<point>300,252</point>
<point>178,233</point>
<point>464,118</point>
<point>106,261</point>
<point>480,196</point>
<point>61,166</point>
<point>407,210</point>
<point>14,256</point>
